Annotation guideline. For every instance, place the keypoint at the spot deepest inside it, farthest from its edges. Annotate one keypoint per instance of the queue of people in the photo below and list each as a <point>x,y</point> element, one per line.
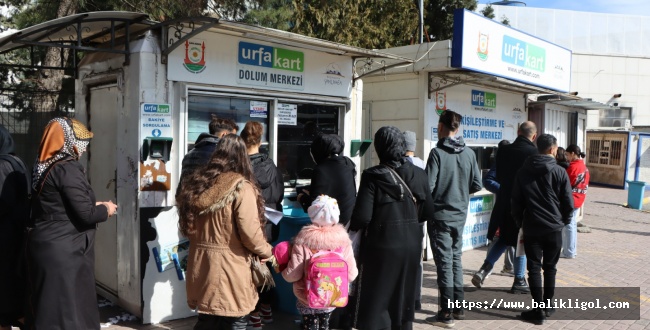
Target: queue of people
<point>227,185</point>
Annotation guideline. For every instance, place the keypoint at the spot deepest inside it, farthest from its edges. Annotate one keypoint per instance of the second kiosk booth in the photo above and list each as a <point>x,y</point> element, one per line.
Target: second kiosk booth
<point>491,74</point>
<point>147,113</point>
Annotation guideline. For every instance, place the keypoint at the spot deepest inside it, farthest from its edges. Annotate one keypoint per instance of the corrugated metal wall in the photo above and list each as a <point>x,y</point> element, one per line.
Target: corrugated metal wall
<point>557,122</point>
<point>26,126</point>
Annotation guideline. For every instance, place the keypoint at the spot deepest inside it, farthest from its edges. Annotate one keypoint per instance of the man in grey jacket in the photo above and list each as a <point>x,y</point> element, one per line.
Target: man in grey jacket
<point>453,175</point>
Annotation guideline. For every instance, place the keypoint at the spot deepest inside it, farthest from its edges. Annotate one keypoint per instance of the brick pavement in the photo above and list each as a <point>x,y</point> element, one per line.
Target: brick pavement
<point>613,254</point>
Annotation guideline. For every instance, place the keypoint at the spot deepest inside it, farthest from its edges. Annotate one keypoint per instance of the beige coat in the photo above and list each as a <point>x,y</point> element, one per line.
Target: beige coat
<point>228,233</point>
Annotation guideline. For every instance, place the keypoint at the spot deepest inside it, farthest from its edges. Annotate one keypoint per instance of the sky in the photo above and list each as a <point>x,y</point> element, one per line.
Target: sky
<point>630,7</point>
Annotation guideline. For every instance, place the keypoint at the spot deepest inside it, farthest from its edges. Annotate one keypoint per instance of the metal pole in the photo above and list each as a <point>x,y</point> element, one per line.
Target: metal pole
<point>421,21</point>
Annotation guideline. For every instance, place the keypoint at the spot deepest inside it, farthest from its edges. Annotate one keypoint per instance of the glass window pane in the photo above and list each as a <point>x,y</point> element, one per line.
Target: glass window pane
<point>201,108</point>
<point>294,141</point>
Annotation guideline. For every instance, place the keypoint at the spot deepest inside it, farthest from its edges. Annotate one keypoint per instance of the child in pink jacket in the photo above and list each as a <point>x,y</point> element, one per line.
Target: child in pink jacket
<point>323,234</point>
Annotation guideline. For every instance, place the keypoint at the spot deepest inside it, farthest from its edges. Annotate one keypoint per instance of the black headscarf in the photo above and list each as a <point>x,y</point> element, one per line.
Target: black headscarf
<point>390,145</point>
<point>326,145</point>
<point>6,142</point>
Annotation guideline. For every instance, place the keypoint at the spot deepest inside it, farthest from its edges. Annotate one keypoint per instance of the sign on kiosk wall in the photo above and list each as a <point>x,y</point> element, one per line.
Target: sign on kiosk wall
<point>218,59</point>
<point>483,45</point>
<point>489,116</point>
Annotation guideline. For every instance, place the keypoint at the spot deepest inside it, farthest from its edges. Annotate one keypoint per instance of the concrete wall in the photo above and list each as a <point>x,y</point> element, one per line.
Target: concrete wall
<point>396,100</point>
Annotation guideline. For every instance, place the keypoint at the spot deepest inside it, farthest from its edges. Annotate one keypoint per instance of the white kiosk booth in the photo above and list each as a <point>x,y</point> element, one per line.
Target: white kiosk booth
<point>147,90</point>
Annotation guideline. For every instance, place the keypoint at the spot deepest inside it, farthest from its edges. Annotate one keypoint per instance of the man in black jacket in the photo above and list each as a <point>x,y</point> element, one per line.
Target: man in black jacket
<point>542,204</point>
<point>509,160</point>
<point>206,143</point>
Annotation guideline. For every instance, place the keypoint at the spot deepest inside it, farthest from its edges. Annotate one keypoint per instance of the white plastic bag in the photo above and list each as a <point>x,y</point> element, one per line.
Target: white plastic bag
<point>520,244</point>
<point>355,237</point>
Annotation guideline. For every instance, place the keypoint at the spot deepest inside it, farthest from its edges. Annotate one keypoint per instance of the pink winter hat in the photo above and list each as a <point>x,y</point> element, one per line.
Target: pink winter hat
<point>282,253</point>
<point>324,211</point>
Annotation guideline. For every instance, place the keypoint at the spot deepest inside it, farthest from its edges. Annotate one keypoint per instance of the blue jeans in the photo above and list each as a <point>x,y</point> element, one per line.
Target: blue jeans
<point>570,237</point>
<point>509,255</point>
<point>447,241</point>
<point>495,252</point>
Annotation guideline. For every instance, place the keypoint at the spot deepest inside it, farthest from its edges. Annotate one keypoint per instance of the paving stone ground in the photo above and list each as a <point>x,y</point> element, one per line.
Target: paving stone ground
<point>614,254</point>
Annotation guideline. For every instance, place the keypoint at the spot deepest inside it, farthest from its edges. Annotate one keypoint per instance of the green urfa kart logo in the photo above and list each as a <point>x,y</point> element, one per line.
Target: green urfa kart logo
<point>270,57</point>
<point>523,54</point>
<point>156,108</point>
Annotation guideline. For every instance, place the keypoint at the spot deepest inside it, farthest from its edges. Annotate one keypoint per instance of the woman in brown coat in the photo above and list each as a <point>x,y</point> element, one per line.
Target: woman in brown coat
<point>222,213</point>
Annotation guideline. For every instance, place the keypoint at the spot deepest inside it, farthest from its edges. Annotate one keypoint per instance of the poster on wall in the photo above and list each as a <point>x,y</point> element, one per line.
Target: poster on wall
<point>156,120</point>
<point>478,221</point>
<point>489,116</point>
<point>259,109</point>
<point>287,114</point>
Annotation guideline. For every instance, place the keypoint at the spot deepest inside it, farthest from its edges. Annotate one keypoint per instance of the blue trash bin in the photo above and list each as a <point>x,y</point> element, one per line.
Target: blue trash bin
<point>292,222</point>
<point>635,194</point>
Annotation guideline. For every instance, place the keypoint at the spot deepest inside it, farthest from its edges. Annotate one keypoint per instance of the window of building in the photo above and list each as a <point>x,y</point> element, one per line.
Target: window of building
<point>202,107</point>
<point>605,152</point>
<point>298,124</point>
<point>295,138</point>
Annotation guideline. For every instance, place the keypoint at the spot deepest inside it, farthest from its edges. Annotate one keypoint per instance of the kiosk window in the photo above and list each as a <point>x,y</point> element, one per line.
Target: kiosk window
<point>295,138</point>
<point>200,109</point>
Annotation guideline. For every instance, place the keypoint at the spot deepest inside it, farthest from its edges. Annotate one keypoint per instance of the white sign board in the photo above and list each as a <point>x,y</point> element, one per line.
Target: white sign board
<point>218,59</point>
<point>489,116</point>
<point>259,109</point>
<point>155,120</point>
<point>287,114</point>
<point>484,45</point>
<point>478,221</point>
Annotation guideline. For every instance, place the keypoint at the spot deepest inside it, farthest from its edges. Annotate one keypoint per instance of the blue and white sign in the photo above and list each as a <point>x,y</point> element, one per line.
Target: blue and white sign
<point>259,109</point>
<point>155,120</point>
<point>484,45</point>
<point>478,221</point>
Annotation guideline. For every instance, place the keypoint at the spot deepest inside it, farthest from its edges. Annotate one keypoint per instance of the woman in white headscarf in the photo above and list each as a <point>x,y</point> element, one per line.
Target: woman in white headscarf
<point>61,235</point>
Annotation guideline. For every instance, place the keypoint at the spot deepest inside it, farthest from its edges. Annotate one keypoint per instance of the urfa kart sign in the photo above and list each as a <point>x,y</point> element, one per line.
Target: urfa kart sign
<point>262,65</point>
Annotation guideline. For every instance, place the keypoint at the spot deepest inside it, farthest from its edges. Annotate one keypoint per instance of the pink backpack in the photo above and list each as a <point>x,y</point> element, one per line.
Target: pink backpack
<point>327,280</point>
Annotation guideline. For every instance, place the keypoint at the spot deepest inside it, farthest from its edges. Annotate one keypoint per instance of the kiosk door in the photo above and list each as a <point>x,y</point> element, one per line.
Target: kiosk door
<point>102,171</point>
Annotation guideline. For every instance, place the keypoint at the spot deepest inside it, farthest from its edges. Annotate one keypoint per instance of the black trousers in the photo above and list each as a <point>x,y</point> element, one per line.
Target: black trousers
<point>215,322</point>
<point>542,252</point>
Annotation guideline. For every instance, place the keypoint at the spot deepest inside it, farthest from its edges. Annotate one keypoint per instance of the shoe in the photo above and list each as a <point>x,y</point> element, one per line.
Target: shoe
<point>255,322</point>
<point>459,314</point>
<point>508,271</point>
<point>535,316</point>
<point>480,276</point>
<point>520,286</point>
<point>567,257</point>
<point>266,314</point>
<point>444,320</point>
<point>549,311</point>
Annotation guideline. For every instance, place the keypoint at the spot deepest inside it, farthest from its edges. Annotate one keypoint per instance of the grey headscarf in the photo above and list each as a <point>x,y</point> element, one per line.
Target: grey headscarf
<point>390,145</point>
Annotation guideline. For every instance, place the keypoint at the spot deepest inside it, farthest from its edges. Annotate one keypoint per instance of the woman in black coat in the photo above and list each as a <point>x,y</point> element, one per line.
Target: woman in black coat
<point>391,246</point>
<point>333,176</point>
<point>14,188</point>
<point>269,180</point>
<point>60,242</point>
